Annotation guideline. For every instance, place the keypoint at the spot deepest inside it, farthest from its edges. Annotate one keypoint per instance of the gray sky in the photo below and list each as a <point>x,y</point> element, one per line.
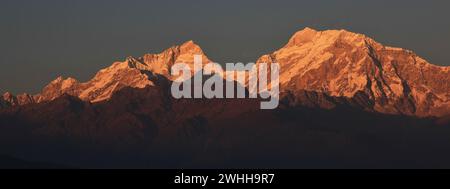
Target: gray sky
<point>40,40</point>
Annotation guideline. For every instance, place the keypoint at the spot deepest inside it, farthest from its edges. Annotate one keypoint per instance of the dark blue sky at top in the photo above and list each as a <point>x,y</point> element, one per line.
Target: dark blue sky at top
<point>40,40</point>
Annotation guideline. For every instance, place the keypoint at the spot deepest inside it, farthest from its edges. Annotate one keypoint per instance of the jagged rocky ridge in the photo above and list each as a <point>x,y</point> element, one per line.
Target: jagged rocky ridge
<point>344,64</point>
<point>331,67</point>
<point>125,116</point>
<point>134,72</point>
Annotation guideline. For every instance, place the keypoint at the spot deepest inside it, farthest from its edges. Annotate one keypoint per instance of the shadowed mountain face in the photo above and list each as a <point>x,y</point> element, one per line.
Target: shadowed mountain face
<point>345,64</point>
<point>346,102</point>
<point>339,64</point>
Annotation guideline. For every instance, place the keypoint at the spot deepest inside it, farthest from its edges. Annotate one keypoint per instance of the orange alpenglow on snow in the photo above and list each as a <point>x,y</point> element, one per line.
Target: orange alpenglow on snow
<point>336,63</point>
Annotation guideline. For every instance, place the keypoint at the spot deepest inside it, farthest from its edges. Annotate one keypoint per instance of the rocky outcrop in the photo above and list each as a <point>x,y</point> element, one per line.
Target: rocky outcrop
<point>9,100</point>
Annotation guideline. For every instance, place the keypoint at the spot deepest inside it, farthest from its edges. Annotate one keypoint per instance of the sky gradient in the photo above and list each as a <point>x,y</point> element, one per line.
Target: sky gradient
<point>40,40</point>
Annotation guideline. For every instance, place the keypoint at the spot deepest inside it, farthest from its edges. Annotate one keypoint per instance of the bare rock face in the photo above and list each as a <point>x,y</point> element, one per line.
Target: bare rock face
<point>8,100</point>
<point>161,63</point>
<point>56,88</point>
<point>126,115</point>
<point>101,87</point>
<point>318,69</point>
<point>345,64</point>
<point>133,72</point>
<point>24,99</point>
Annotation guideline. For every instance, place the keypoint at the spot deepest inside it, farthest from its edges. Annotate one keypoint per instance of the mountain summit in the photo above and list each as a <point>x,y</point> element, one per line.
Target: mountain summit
<point>340,63</point>
<point>337,66</point>
<point>345,101</point>
<point>133,72</point>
